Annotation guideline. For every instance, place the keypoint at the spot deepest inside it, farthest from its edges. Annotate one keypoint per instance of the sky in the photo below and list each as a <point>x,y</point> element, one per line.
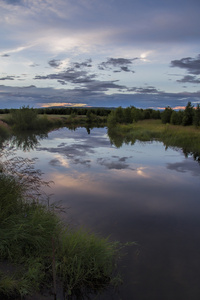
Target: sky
<point>99,53</point>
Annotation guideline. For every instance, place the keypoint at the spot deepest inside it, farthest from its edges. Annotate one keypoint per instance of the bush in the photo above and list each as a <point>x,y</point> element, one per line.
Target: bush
<point>27,118</point>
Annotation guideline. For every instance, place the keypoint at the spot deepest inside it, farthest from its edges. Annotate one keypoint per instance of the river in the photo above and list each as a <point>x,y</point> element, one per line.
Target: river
<point>141,193</point>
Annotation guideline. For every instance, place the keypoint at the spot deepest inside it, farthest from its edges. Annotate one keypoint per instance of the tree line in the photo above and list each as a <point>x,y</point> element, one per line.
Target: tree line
<point>189,116</point>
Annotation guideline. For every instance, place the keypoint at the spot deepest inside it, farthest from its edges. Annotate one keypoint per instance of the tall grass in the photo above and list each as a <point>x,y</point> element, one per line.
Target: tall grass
<point>42,251</point>
<point>187,138</point>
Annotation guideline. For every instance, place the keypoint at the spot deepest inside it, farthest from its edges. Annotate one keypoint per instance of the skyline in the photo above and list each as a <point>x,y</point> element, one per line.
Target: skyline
<point>99,53</point>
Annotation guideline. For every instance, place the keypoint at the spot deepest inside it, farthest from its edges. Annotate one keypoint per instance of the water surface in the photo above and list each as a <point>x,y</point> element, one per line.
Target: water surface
<point>141,192</point>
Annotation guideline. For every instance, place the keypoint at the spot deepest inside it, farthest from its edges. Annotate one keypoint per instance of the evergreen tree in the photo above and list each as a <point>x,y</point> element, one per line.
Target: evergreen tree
<point>197,116</point>
<point>188,115</point>
<point>166,115</point>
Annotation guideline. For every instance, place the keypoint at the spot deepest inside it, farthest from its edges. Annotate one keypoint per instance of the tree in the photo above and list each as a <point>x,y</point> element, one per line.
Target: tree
<point>188,115</point>
<point>119,114</point>
<point>166,115</point>
<point>176,117</point>
<point>127,115</point>
<point>197,116</point>
<point>24,118</point>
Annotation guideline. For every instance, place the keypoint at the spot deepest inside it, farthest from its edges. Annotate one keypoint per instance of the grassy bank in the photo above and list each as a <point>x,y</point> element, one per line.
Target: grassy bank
<point>37,251</point>
<point>26,118</point>
<point>187,138</point>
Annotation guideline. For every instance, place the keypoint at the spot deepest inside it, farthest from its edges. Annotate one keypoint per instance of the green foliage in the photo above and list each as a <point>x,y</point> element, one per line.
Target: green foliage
<point>176,117</point>
<point>4,132</point>
<point>31,234</point>
<point>166,115</point>
<point>85,260</point>
<point>111,121</point>
<point>188,115</point>
<point>130,114</point>
<point>26,118</point>
<point>196,119</point>
<point>187,138</point>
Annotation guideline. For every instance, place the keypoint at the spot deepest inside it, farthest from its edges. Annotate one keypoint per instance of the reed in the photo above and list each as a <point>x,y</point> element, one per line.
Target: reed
<point>185,137</point>
<point>42,250</point>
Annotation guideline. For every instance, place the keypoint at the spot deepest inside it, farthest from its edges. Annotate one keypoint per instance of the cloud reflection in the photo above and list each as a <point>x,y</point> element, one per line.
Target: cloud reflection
<point>184,167</point>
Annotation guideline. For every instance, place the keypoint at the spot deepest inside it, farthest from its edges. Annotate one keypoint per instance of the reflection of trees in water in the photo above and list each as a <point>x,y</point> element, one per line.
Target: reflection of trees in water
<point>118,138</point>
<point>27,141</point>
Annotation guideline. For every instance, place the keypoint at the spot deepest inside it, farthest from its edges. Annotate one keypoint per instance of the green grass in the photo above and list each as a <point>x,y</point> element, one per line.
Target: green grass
<point>41,250</point>
<point>185,137</point>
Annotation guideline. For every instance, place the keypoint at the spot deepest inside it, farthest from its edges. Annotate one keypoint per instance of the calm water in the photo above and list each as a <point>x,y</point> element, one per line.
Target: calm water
<point>139,192</point>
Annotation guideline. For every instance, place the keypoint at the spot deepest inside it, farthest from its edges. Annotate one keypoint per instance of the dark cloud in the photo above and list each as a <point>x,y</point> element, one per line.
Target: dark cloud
<point>192,65</point>
<point>34,65</point>
<point>54,162</point>
<point>87,63</point>
<point>57,163</point>
<point>146,90</point>
<point>85,80</point>
<point>70,75</point>
<point>117,165</point>
<point>189,79</point>
<point>104,85</point>
<point>30,87</point>
<point>184,167</point>
<point>33,96</point>
<point>62,82</point>
<point>8,78</point>
<point>121,63</point>
<point>71,151</point>
<point>5,55</point>
<point>55,63</point>
<point>82,162</point>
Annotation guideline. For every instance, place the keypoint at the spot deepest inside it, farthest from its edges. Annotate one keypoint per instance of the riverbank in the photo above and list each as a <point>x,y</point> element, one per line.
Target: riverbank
<point>37,252</point>
<point>185,137</point>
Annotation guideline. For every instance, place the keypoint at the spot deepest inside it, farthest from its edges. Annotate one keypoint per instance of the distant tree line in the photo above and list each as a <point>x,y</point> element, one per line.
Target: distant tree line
<point>188,116</point>
<point>128,115</point>
<point>74,111</point>
<point>66,111</point>
<point>132,114</point>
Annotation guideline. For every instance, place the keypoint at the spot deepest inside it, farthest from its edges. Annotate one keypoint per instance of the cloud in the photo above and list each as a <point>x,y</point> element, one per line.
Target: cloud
<point>14,2</point>
<point>70,75</point>
<point>34,65</point>
<point>8,78</point>
<point>189,79</point>
<point>192,65</point>
<point>184,167</point>
<point>121,63</point>
<point>84,79</point>
<point>87,63</point>
<point>37,97</point>
<point>146,90</point>
<point>5,55</point>
<point>119,164</point>
<point>55,63</point>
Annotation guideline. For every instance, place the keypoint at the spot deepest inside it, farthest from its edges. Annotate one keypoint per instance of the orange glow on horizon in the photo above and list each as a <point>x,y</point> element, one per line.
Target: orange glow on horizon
<point>176,107</point>
<point>67,104</point>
